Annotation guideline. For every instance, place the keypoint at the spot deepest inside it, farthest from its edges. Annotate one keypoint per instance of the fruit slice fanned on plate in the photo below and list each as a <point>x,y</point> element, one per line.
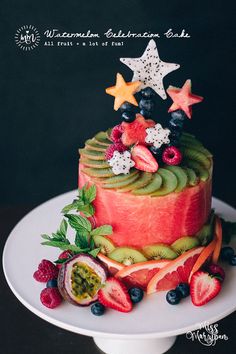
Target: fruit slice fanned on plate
<point>140,274</point>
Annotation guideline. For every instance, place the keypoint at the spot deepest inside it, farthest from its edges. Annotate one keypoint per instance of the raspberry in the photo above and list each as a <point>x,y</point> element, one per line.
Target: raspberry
<point>46,271</point>
<point>50,297</point>
<point>172,156</point>
<point>114,147</point>
<point>116,133</point>
<point>64,255</point>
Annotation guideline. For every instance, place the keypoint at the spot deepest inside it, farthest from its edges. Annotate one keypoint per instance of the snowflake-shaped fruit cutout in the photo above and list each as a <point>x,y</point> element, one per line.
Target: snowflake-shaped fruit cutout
<point>121,162</point>
<point>157,135</point>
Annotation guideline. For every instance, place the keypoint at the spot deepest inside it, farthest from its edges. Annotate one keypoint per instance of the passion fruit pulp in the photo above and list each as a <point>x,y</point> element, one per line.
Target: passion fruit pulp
<point>80,278</point>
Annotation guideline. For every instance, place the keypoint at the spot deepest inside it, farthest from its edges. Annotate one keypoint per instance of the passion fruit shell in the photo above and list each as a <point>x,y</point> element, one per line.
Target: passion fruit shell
<point>80,278</point>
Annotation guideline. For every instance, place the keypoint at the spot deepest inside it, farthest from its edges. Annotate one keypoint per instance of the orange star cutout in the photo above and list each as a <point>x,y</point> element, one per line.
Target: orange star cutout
<point>123,91</point>
<point>183,98</point>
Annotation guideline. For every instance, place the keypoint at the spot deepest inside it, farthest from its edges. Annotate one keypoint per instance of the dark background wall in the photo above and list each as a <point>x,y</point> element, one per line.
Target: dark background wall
<point>52,98</point>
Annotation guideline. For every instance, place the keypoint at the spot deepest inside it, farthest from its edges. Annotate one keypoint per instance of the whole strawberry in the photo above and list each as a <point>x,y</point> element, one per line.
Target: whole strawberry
<point>64,255</point>
<point>50,297</point>
<point>46,271</point>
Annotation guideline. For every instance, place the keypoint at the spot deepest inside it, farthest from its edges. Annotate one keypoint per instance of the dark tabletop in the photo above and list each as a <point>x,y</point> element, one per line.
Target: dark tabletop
<point>24,333</point>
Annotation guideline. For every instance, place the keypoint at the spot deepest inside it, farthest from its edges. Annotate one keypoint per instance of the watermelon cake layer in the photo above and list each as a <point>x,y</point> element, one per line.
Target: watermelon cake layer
<point>138,221</point>
<point>180,206</point>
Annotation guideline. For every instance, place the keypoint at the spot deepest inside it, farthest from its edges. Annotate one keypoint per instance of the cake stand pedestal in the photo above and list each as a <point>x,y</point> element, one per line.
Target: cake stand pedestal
<point>151,327</point>
<point>138,346</point>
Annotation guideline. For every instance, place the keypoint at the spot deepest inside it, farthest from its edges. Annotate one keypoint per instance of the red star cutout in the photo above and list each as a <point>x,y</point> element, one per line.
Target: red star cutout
<point>183,98</point>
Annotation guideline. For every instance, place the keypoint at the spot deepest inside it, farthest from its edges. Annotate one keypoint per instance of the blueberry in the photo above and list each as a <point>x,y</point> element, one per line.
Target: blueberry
<point>175,123</point>
<point>226,253</point>
<point>173,297</point>
<point>146,104</point>
<point>146,114</point>
<point>232,260</point>
<point>128,116</point>
<point>136,295</point>
<point>97,309</point>
<point>147,92</point>
<point>157,152</point>
<point>52,283</point>
<point>126,107</point>
<point>183,289</point>
<point>179,115</point>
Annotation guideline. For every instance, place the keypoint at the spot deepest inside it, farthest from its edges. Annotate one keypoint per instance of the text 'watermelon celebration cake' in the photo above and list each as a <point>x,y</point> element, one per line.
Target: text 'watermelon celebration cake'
<point>142,220</point>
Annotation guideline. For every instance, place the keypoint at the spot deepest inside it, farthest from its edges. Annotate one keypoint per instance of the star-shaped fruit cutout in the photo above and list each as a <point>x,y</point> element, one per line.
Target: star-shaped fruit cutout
<point>150,69</point>
<point>123,91</point>
<point>183,98</point>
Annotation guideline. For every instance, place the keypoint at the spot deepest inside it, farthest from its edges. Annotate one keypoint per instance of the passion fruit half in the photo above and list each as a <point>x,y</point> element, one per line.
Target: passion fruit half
<point>80,278</point>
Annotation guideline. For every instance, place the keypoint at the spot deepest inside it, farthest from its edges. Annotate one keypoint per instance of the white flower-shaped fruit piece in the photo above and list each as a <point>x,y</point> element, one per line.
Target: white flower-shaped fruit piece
<point>150,69</point>
<point>121,162</point>
<point>157,135</point>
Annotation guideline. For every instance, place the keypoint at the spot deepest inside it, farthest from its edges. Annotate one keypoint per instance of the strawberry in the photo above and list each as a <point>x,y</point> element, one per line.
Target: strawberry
<point>143,158</point>
<point>203,288</point>
<point>135,132</point>
<point>115,295</point>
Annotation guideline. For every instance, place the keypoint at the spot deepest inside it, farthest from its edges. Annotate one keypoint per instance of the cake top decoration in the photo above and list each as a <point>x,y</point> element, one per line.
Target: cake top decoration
<point>183,98</point>
<point>150,69</point>
<point>123,91</point>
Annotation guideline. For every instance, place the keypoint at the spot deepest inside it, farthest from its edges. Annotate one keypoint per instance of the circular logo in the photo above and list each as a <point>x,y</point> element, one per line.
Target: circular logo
<point>27,37</point>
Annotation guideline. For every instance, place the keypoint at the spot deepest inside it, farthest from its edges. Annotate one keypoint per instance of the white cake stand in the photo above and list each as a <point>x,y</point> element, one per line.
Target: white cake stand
<point>150,328</point>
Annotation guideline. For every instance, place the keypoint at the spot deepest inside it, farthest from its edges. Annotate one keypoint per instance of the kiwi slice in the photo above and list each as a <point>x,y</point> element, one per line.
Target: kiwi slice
<point>91,144</point>
<point>159,251</point>
<point>196,156</point>
<point>200,148</point>
<point>151,187</point>
<point>94,163</point>
<point>201,172</point>
<point>143,179</point>
<point>181,176</point>
<point>127,255</point>
<point>169,182</point>
<point>92,154</point>
<point>106,245</point>
<point>98,172</point>
<point>102,139</point>
<point>122,183</point>
<point>184,244</point>
<point>192,177</point>
<point>120,178</point>
<point>206,233</point>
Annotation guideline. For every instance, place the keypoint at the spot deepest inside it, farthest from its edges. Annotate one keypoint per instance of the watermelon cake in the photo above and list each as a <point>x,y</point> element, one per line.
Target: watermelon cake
<point>142,219</point>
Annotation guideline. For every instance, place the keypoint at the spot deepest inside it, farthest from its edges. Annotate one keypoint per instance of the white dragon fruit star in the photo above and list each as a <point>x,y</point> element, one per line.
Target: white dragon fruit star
<point>121,162</point>
<point>157,135</point>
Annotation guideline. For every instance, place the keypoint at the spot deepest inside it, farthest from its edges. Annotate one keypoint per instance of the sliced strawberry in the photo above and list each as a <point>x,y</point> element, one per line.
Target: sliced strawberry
<point>203,288</point>
<point>143,158</point>
<point>135,132</point>
<point>115,295</point>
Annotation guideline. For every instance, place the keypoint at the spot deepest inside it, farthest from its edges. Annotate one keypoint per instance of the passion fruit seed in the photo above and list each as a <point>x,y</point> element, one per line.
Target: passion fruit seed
<point>84,281</point>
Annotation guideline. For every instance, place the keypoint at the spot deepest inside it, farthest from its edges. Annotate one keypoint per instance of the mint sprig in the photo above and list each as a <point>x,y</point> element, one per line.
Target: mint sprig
<point>84,232</point>
<point>83,202</point>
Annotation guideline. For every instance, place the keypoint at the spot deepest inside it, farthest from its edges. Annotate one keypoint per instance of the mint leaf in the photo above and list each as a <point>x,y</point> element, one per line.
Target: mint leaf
<point>61,261</point>
<point>63,227</point>
<point>102,230</point>
<point>79,223</point>
<point>90,194</point>
<point>59,244</point>
<point>87,210</point>
<point>81,241</point>
<point>95,252</point>
<point>46,237</point>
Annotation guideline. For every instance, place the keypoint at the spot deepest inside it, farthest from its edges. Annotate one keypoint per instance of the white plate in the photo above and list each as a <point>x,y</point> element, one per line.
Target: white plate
<point>152,318</point>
